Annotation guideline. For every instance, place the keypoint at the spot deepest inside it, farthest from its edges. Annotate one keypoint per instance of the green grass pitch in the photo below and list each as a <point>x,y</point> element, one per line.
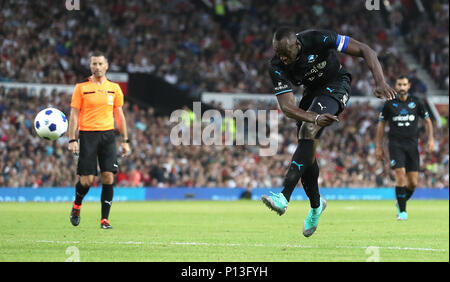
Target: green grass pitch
<point>229,231</point>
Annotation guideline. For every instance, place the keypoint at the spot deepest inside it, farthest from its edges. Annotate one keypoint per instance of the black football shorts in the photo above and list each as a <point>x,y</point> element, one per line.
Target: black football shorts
<point>97,145</point>
<point>338,89</point>
<point>331,98</point>
<point>404,154</point>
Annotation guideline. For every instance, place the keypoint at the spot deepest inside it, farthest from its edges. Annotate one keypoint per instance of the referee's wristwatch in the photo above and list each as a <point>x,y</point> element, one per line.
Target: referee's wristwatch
<point>126,140</point>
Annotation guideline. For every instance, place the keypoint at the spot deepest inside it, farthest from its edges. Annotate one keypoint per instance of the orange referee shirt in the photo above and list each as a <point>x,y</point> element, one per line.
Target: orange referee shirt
<point>96,103</point>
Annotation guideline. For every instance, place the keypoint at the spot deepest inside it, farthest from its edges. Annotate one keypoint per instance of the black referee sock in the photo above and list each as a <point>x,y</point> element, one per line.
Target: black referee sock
<point>301,160</point>
<point>106,198</point>
<point>400,193</point>
<point>311,186</point>
<point>80,192</point>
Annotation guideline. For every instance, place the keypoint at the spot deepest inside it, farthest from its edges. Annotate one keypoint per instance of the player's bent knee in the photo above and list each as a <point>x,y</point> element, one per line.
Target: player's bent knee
<point>308,130</point>
<point>412,185</point>
<point>412,180</point>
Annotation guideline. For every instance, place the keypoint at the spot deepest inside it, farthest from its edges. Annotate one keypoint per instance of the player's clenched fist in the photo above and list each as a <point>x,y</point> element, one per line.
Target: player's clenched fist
<point>325,119</point>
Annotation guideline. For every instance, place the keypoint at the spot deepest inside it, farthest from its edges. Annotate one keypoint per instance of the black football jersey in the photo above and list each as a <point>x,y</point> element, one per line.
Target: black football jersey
<point>403,118</point>
<point>316,64</point>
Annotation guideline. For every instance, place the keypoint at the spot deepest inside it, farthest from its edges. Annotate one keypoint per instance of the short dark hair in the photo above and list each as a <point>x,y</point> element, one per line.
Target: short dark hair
<point>284,32</point>
<point>402,76</point>
<point>98,53</point>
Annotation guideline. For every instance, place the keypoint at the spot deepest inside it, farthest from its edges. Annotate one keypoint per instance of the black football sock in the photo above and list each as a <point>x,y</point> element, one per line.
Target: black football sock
<point>409,193</point>
<point>290,181</point>
<point>311,186</point>
<point>400,193</point>
<point>80,192</point>
<point>106,198</point>
<point>301,160</point>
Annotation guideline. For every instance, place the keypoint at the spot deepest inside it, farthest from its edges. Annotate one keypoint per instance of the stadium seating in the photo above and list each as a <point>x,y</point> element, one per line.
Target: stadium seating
<point>428,39</point>
<point>186,43</point>
<point>346,152</point>
<point>189,45</point>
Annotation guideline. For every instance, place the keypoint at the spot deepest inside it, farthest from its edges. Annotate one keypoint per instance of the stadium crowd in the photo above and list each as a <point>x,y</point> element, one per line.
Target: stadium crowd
<point>185,42</point>
<point>428,39</point>
<point>347,156</point>
<point>193,46</point>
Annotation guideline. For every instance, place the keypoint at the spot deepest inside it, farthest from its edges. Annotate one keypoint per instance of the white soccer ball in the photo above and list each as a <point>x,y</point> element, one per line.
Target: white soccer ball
<point>50,123</point>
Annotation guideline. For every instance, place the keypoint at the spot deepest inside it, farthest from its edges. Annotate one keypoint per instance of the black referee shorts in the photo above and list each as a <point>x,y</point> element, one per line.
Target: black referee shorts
<point>95,145</point>
<point>404,154</point>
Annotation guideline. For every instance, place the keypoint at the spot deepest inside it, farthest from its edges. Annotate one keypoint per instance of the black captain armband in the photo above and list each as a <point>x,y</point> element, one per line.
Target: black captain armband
<point>73,140</point>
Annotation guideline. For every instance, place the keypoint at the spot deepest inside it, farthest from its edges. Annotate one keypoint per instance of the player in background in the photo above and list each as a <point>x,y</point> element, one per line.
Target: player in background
<point>403,114</point>
<point>96,104</point>
<point>309,58</point>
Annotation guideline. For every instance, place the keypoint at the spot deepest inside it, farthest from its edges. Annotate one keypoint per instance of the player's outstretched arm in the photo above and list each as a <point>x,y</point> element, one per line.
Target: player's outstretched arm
<point>287,105</point>
<point>359,49</point>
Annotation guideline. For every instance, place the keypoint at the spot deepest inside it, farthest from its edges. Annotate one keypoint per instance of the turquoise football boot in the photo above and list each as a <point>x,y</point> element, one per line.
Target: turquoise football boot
<point>276,202</point>
<point>402,216</point>
<point>312,220</point>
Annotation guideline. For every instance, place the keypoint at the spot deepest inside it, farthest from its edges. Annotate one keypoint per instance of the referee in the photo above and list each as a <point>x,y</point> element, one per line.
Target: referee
<point>96,104</point>
<point>403,114</point>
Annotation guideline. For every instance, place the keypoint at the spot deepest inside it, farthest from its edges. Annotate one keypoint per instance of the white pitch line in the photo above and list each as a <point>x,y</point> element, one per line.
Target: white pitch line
<point>396,248</point>
<point>52,241</point>
<point>233,245</point>
<point>303,246</point>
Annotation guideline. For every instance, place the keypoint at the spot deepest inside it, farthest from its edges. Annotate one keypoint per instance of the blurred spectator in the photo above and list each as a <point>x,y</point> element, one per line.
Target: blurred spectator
<point>187,44</point>
<point>197,47</point>
<point>247,194</point>
<point>417,86</point>
<point>346,152</point>
<point>426,35</point>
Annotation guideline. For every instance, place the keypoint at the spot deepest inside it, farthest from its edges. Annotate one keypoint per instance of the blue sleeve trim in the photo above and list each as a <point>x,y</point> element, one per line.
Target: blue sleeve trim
<point>341,43</point>
<point>345,44</point>
<point>284,91</point>
<point>338,40</point>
